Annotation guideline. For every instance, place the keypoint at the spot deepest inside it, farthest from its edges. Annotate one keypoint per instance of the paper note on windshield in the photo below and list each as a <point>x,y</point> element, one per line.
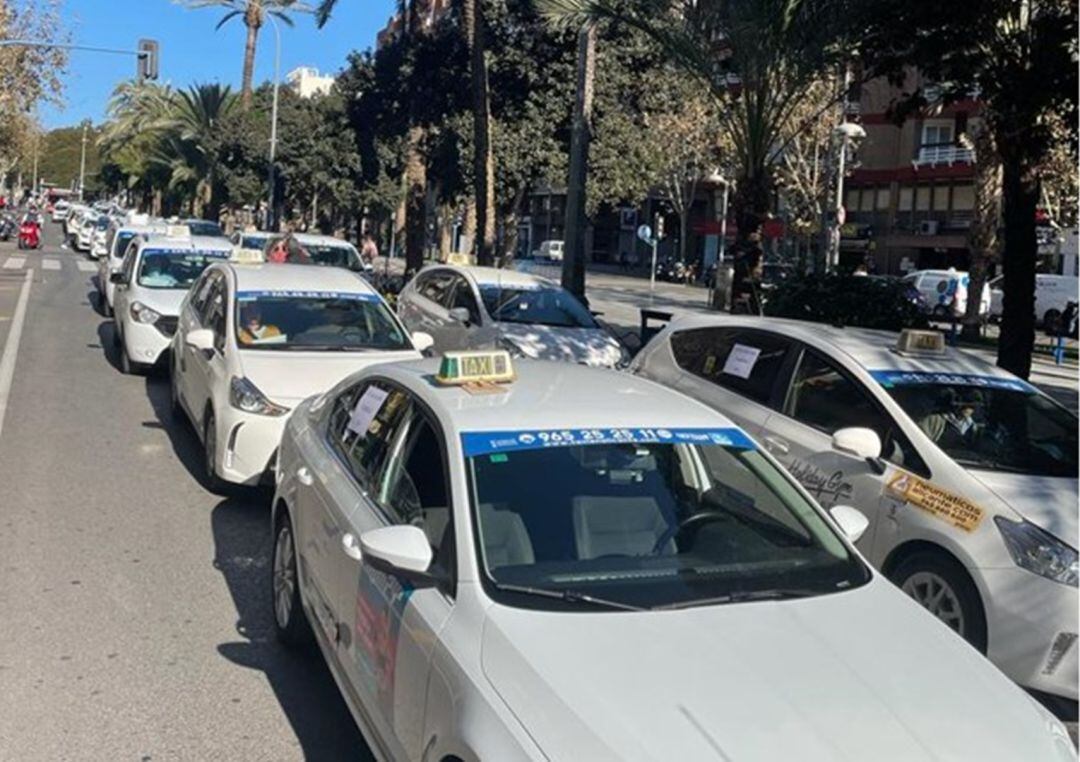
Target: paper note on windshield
<point>366,409</point>
<point>741,361</point>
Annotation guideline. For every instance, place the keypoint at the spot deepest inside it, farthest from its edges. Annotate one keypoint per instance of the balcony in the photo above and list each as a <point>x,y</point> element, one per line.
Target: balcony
<point>943,153</point>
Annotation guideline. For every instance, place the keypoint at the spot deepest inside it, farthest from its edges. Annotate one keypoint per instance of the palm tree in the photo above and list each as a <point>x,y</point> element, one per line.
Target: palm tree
<point>253,13</point>
<point>191,141</point>
<point>760,56</point>
<point>472,13</point>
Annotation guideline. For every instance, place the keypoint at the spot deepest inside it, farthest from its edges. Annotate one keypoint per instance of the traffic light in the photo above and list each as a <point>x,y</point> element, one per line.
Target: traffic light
<point>148,60</point>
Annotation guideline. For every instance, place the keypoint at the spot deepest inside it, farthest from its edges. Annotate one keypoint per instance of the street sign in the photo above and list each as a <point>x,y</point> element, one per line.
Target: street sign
<point>644,232</point>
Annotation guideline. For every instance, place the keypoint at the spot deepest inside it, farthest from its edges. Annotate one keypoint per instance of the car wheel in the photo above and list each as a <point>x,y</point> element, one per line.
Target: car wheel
<point>214,483</point>
<point>290,622</point>
<point>941,312</point>
<point>106,310</point>
<point>942,586</point>
<point>174,394</point>
<point>127,367</point>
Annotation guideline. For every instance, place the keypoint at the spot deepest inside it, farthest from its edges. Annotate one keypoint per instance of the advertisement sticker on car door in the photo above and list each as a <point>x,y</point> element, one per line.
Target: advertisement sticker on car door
<point>942,504</point>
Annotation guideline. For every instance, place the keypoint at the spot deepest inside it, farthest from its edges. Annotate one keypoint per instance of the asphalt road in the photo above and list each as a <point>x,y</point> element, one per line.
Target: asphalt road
<point>136,617</point>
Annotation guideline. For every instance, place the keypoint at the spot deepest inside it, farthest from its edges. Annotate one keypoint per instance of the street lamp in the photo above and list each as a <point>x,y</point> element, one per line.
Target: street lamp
<point>846,133</point>
<point>82,159</point>
<point>270,221</point>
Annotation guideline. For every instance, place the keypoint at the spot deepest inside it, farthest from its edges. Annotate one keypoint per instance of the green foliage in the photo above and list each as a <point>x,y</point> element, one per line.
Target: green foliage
<point>847,300</point>
<point>59,153</point>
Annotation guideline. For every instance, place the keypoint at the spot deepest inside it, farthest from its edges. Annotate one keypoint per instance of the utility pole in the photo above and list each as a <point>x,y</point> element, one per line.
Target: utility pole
<point>37,152</point>
<point>82,161</point>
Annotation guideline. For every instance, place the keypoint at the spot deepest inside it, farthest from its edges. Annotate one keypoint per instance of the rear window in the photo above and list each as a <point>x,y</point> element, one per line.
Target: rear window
<point>745,362</point>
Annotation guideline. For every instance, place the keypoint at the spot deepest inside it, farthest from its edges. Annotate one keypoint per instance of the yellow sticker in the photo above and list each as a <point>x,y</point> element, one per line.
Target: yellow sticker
<point>710,364</point>
<point>956,510</point>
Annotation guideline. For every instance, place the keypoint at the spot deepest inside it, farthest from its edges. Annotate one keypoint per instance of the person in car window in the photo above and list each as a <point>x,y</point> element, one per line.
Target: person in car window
<point>253,328</point>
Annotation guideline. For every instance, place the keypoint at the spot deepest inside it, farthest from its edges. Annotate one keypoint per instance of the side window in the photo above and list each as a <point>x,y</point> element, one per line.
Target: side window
<point>825,398</point>
<point>200,293</point>
<point>128,266</point>
<point>463,297</point>
<point>436,287</point>
<point>364,424</point>
<point>746,362</point>
<point>215,309</point>
<point>415,489</point>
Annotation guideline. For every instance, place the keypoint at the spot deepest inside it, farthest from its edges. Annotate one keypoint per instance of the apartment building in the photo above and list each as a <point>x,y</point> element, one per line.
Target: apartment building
<point>307,81</point>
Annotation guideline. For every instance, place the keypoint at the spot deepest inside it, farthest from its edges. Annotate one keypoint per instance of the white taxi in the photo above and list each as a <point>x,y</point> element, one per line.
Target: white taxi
<point>967,473</point>
<point>113,259</point>
<point>582,565</point>
<point>150,286</point>
<point>255,340</point>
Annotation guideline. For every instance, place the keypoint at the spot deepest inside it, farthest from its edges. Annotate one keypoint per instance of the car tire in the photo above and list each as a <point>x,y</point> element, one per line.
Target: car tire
<point>128,366</point>
<point>291,624</point>
<point>174,394</point>
<point>214,483</point>
<point>943,587</point>
<point>106,310</point>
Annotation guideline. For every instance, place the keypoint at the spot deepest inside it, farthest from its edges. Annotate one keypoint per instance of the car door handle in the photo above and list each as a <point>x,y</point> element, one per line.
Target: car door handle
<point>777,445</point>
<point>351,546</point>
<point>304,476</point>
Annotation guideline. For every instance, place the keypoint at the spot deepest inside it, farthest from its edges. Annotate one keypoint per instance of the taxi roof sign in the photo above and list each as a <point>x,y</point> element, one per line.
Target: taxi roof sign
<point>482,367</point>
<point>177,231</point>
<point>242,256</point>
<point>915,342</point>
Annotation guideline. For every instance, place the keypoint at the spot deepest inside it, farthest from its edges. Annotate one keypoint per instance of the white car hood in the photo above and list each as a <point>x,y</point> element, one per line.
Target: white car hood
<point>289,377</point>
<point>167,301</point>
<point>859,675</point>
<point>1046,501</point>
<point>591,346</point>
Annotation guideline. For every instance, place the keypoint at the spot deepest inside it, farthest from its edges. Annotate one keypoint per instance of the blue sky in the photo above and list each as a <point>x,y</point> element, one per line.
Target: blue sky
<point>191,51</point>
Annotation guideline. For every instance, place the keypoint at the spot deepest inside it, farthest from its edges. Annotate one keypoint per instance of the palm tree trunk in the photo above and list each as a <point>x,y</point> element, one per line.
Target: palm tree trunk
<point>1021,196</point>
<point>415,200</point>
<point>483,155</point>
<point>982,237</point>
<point>252,19</point>
<point>573,274</point>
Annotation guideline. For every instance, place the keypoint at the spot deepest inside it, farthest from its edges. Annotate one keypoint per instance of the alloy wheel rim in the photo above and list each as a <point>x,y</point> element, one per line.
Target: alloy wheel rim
<point>284,577</point>
<point>935,595</point>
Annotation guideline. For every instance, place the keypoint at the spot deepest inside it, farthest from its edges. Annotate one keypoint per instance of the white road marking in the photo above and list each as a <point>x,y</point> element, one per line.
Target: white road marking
<point>50,264</point>
<point>14,263</point>
<point>11,348</point>
<point>86,267</point>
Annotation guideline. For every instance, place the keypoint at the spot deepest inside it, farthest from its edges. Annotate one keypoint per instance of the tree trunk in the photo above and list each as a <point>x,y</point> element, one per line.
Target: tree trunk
<point>483,154</point>
<point>573,273</point>
<point>415,200</point>
<point>252,19</point>
<point>982,238</point>
<point>1021,195</point>
<point>750,206</point>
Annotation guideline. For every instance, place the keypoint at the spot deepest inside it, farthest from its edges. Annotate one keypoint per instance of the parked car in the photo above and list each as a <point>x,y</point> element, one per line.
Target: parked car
<point>1052,295</point>
<point>552,250</point>
<point>482,307</point>
<point>946,292</point>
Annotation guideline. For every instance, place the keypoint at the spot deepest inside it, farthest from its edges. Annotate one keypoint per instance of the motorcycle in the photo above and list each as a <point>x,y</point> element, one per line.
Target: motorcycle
<point>30,235</point>
<point>7,228</point>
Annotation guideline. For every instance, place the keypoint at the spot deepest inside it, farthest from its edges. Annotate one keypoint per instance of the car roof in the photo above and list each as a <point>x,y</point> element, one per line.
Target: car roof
<point>289,277</point>
<point>872,349</point>
<point>494,276</point>
<point>315,239</point>
<point>555,395</point>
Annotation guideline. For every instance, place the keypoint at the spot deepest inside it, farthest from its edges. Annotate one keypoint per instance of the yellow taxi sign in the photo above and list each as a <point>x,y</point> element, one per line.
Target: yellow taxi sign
<point>242,256</point>
<point>921,342</point>
<point>492,367</point>
<point>177,231</point>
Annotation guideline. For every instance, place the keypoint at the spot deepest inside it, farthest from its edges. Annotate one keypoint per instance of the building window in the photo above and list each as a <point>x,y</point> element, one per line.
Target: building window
<point>866,202</point>
<point>937,134</point>
<point>963,198</point>
<point>852,199</point>
<point>941,198</point>
<point>922,198</point>
<point>881,202</point>
<point>906,200</point>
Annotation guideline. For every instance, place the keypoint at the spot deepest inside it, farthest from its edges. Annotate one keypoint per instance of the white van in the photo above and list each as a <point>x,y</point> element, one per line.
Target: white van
<point>552,250</point>
<point>1052,294</point>
<point>946,292</point>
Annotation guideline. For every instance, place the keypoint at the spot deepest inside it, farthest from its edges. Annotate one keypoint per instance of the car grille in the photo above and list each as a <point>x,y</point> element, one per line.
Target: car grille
<point>166,325</point>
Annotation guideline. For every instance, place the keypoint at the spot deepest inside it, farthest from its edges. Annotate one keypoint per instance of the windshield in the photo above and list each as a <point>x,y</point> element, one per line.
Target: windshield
<point>333,256</point>
<point>676,518</point>
<point>103,223</point>
<point>204,227</point>
<point>998,424</point>
<point>174,269</point>
<point>316,320</point>
<point>543,305</point>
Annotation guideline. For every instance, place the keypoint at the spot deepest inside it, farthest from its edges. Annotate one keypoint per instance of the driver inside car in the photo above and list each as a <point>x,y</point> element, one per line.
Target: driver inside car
<point>253,329</point>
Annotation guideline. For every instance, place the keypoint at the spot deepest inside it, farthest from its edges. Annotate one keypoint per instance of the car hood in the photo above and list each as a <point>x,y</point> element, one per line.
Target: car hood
<point>864,674</point>
<point>1047,501</point>
<point>289,377</point>
<point>590,346</point>
<point>167,301</point>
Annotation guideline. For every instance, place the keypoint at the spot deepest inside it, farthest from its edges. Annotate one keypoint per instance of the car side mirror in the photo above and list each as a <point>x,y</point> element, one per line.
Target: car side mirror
<point>861,443</point>
<point>422,341</point>
<point>459,315</point>
<point>853,523</point>
<point>401,550</point>
<point>118,279</point>
<point>201,339</point>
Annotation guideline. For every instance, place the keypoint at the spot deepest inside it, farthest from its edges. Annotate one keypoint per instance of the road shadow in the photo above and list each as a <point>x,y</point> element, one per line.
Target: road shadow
<point>182,437</point>
<point>300,680</point>
<point>106,332</point>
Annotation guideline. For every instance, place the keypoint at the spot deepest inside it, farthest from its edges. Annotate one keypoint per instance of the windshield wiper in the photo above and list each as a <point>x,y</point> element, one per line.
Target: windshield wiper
<point>571,596</point>
<point>744,596</point>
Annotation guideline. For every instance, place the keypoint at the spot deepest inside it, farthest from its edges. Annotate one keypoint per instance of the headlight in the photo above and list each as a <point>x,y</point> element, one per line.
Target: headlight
<point>244,395</point>
<point>144,314</point>
<point>1038,551</point>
